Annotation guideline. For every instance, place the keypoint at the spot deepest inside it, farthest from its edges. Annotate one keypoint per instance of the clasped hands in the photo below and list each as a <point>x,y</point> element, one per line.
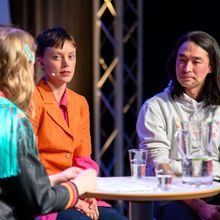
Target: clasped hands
<point>89,207</point>
<point>85,180</point>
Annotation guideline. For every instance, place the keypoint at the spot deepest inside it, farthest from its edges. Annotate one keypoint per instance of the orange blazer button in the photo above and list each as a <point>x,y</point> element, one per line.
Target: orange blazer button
<point>68,155</point>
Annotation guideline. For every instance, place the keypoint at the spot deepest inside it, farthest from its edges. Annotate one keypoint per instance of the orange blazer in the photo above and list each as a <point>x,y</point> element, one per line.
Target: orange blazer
<point>57,142</point>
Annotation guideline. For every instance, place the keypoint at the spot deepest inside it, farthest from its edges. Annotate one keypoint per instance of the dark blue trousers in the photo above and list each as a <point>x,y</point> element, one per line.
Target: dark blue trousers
<point>174,210</point>
<point>105,213</point>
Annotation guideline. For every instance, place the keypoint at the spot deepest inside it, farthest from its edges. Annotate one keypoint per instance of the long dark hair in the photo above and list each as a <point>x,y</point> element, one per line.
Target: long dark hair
<point>211,92</point>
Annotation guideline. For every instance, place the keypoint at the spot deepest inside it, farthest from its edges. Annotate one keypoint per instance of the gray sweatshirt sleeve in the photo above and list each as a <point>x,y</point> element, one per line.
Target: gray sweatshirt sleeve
<point>152,130</point>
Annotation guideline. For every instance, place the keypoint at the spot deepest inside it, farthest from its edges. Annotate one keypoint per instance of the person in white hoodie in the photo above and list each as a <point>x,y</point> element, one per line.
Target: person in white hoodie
<point>192,94</point>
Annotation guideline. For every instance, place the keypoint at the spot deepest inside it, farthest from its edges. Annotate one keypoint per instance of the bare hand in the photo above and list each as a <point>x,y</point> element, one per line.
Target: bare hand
<point>70,173</point>
<point>64,176</point>
<point>92,204</point>
<point>89,209</point>
<point>86,181</point>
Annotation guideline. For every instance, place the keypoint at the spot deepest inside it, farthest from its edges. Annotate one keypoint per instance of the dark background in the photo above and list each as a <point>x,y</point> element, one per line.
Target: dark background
<point>164,22</point>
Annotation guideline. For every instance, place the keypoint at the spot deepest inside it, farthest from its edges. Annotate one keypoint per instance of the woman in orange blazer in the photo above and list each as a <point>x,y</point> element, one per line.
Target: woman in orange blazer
<point>61,119</point>
<point>61,144</point>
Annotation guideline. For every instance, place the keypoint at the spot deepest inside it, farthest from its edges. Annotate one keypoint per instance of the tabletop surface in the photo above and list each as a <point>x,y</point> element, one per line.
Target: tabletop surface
<point>127,188</point>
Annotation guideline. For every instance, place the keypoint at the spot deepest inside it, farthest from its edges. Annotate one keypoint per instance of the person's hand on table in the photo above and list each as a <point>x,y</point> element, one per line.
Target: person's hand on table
<point>89,207</point>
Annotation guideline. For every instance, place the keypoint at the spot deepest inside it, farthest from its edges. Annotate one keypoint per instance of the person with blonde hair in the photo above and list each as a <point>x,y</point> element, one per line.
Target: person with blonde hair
<point>25,189</point>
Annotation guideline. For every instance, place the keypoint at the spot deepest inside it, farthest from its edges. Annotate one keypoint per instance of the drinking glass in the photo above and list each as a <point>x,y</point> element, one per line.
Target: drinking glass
<point>138,160</point>
<point>163,172</point>
<point>194,143</point>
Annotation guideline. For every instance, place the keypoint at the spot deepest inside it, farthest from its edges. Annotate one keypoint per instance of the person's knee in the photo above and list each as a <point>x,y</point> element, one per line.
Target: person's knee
<point>70,214</point>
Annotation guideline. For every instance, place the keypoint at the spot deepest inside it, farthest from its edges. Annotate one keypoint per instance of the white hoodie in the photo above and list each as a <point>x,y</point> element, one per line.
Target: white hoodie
<point>156,127</point>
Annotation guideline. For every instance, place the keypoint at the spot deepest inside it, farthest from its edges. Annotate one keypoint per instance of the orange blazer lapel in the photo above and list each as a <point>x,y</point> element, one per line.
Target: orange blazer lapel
<point>52,107</point>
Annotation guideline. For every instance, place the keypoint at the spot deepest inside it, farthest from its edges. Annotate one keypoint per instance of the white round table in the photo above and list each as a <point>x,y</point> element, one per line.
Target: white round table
<point>142,192</point>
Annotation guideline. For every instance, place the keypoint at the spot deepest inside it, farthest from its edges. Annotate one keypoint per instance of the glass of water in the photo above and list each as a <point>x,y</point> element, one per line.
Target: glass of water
<point>138,161</point>
<point>163,172</point>
<point>194,143</point>
<point>197,170</point>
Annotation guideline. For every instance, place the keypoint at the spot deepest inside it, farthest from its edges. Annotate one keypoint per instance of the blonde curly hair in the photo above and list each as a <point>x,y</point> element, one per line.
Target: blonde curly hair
<point>17,54</point>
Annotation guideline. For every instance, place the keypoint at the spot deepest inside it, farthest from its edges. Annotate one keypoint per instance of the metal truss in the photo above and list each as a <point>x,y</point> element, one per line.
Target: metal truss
<point>117,81</point>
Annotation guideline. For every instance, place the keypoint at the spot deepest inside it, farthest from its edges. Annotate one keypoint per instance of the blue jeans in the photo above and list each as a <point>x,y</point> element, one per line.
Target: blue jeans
<point>105,213</point>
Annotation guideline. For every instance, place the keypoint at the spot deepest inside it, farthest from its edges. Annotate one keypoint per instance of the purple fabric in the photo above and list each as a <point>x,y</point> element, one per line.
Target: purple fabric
<point>52,216</point>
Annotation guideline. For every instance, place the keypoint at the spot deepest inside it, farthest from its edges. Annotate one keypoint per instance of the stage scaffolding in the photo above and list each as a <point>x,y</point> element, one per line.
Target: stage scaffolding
<point>117,82</point>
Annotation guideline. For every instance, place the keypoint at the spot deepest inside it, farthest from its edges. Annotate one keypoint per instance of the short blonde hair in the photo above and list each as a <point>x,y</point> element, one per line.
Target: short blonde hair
<point>16,82</point>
